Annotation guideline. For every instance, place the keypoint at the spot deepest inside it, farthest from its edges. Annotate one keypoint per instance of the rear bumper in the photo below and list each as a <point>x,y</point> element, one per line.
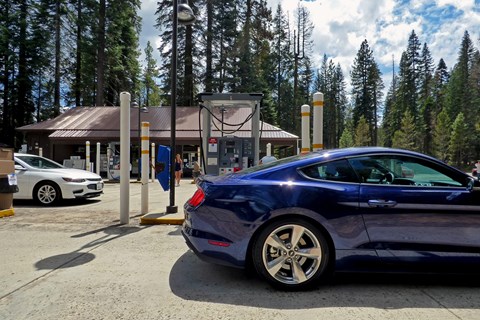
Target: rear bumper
<point>226,256</point>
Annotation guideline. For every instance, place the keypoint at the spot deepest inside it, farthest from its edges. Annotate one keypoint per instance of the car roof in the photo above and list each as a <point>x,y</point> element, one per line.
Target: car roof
<point>25,155</point>
<point>358,151</point>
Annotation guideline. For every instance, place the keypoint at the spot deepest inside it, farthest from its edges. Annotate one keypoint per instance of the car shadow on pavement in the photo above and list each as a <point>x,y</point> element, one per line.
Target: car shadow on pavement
<point>194,279</point>
<point>83,255</point>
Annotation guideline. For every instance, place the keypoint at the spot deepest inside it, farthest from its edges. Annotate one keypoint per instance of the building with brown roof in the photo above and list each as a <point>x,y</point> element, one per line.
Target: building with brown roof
<point>66,135</point>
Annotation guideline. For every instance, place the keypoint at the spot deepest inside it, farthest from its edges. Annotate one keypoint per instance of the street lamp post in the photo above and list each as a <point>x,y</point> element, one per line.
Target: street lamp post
<point>183,14</point>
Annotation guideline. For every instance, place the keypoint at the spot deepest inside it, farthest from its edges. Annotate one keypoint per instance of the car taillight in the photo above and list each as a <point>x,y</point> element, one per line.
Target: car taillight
<point>197,198</point>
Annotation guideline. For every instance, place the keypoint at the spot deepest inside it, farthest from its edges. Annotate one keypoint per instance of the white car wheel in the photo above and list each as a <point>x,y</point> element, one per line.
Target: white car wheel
<point>47,194</point>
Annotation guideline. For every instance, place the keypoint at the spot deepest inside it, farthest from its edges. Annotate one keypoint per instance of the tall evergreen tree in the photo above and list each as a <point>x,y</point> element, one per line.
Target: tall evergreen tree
<point>151,93</point>
<point>362,133</point>
<point>457,147</point>
<point>367,88</point>
<point>441,136</point>
<point>282,91</point>
<point>460,96</point>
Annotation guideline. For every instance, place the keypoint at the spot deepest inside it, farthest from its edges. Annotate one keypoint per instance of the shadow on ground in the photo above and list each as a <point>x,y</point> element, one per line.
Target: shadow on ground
<point>193,279</point>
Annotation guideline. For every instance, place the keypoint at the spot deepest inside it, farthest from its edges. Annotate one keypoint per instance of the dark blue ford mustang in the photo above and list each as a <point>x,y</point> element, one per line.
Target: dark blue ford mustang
<point>298,219</point>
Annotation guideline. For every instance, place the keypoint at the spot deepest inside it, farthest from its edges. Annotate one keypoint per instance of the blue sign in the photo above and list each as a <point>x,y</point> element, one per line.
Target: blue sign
<point>162,167</point>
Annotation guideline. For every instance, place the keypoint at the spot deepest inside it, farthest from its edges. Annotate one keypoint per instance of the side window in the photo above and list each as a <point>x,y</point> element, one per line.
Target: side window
<point>401,170</point>
<point>333,171</point>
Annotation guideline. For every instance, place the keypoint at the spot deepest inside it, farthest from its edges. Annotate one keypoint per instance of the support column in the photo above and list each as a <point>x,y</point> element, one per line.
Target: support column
<point>305,128</point>
<point>317,121</point>
<point>145,137</point>
<point>97,166</point>
<point>87,156</point>
<point>124,157</point>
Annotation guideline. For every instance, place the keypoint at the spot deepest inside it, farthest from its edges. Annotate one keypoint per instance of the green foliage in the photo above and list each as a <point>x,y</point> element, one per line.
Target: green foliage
<point>367,86</point>
<point>441,136</point>
<point>458,141</point>
<point>235,46</point>
<point>406,137</point>
<point>347,139</point>
<point>362,133</point>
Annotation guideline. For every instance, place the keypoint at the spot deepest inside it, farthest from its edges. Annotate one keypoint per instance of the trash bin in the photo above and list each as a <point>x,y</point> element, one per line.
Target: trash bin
<point>8,181</point>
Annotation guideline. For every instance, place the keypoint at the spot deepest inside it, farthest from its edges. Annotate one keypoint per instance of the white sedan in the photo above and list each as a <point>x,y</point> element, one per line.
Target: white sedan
<point>48,182</point>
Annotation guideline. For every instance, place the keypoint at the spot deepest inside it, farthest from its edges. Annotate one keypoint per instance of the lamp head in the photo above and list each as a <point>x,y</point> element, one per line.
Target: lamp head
<point>185,13</point>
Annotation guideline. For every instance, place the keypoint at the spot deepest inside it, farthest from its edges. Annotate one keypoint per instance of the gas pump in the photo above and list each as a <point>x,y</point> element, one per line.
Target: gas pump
<point>113,170</point>
<point>229,154</point>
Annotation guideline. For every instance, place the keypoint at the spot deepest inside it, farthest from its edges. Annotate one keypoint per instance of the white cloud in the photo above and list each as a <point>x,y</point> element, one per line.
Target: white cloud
<point>342,25</point>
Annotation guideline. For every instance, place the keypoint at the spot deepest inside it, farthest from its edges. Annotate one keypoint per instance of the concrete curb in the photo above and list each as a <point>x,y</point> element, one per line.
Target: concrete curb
<point>7,213</point>
<point>162,218</point>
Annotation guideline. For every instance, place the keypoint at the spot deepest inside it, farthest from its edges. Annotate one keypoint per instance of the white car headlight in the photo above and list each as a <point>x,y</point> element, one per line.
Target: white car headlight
<point>73,180</point>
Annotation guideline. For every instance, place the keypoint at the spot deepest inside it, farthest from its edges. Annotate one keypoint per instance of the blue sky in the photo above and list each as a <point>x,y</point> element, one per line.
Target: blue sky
<point>342,25</point>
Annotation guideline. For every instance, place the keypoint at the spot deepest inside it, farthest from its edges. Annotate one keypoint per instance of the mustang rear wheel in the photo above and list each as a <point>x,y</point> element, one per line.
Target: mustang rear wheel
<point>292,254</point>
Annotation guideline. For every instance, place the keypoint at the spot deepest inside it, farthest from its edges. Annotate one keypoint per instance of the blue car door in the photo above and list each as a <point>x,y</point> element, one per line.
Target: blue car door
<point>410,204</point>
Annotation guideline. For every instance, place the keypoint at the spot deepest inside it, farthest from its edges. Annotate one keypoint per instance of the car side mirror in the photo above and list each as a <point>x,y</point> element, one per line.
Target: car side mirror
<point>473,184</point>
<point>19,167</point>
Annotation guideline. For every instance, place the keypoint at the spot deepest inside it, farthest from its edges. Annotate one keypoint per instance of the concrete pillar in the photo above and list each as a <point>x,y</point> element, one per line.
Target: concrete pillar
<point>97,166</point>
<point>124,157</point>
<point>305,128</point>
<point>87,156</point>
<point>145,137</point>
<point>317,121</point>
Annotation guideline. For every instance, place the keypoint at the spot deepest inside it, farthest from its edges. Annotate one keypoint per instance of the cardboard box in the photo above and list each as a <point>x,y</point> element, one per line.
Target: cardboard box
<point>6,154</point>
<point>6,167</point>
<point>6,201</point>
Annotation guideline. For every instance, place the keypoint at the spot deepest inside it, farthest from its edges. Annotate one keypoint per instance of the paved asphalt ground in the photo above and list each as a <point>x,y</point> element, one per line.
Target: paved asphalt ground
<point>74,261</point>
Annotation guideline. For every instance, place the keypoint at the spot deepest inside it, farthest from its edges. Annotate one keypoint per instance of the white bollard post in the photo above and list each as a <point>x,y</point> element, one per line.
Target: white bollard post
<point>87,156</point>
<point>124,157</point>
<point>317,121</point>
<point>109,154</point>
<point>97,166</point>
<point>269,149</point>
<point>145,137</point>
<point>40,152</point>
<point>305,128</point>
<point>152,167</point>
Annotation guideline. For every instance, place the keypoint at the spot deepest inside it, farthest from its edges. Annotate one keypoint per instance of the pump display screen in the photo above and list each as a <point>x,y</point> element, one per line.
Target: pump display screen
<point>230,150</point>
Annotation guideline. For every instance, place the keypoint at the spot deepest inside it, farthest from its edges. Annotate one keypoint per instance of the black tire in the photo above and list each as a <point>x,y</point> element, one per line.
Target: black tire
<point>47,193</point>
<point>292,254</point>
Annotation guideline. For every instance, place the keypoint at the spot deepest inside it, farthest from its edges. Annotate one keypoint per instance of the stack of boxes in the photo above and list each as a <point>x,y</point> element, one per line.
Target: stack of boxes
<point>8,183</point>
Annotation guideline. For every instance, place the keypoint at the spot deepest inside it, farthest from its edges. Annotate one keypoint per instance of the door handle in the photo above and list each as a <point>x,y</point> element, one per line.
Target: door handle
<point>381,203</point>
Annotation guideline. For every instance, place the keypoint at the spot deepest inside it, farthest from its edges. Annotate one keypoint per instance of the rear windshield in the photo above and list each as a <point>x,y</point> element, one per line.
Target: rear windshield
<point>277,163</point>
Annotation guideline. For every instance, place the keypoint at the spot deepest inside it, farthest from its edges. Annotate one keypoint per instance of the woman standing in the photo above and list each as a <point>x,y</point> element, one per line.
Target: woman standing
<point>178,170</point>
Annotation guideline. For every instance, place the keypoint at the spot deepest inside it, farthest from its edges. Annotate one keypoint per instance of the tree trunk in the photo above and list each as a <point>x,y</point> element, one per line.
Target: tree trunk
<point>78,64</point>
<point>56,95</point>
<point>209,49</point>
<point>99,101</point>
<point>188,76</point>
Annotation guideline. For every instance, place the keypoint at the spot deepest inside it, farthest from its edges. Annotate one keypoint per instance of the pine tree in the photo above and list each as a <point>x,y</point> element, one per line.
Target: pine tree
<point>366,89</point>
<point>461,96</point>
<point>458,141</point>
<point>406,138</point>
<point>282,91</point>
<point>151,94</point>
<point>362,133</point>
<point>441,136</point>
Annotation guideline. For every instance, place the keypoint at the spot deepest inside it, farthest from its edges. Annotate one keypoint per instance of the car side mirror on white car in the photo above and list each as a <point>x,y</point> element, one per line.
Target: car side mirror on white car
<point>19,167</point>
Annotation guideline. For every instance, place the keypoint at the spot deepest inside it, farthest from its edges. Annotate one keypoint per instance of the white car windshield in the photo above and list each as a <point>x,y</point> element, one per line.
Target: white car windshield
<point>39,162</point>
